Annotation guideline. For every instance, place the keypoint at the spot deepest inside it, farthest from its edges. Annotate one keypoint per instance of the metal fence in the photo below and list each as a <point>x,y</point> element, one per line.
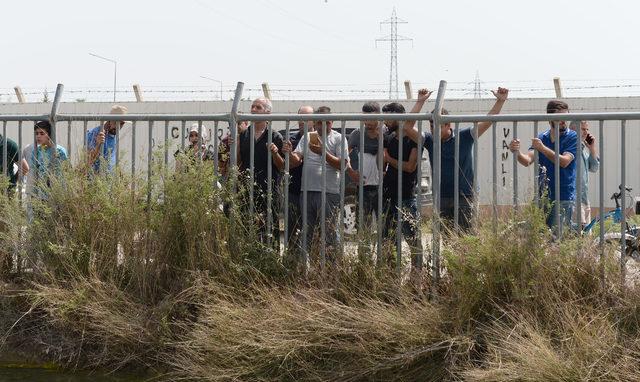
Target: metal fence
<point>437,119</point>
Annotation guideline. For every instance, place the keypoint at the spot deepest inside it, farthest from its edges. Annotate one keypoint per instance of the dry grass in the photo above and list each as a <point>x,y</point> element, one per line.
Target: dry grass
<point>173,284</point>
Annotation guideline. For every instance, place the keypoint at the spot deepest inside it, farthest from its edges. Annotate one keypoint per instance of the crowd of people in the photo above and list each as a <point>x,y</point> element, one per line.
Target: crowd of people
<point>316,161</point>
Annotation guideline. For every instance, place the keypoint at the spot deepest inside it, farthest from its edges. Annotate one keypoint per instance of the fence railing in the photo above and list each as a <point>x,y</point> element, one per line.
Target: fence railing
<point>627,237</point>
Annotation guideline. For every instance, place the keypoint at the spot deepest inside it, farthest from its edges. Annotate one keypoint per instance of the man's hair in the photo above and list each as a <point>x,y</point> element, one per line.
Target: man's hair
<point>371,107</point>
<point>268,106</point>
<point>443,112</point>
<point>305,106</point>
<point>555,106</point>
<point>322,110</point>
<point>44,125</point>
<point>393,107</point>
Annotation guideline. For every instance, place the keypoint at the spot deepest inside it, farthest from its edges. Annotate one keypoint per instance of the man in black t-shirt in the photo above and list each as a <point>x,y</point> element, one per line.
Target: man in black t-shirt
<point>294,209</point>
<point>407,205</point>
<point>261,147</point>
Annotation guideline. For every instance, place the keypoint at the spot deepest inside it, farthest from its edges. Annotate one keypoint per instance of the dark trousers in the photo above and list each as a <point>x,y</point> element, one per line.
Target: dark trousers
<point>465,212</point>
<point>260,202</point>
<point>410,226</point>
<point>293,251</point>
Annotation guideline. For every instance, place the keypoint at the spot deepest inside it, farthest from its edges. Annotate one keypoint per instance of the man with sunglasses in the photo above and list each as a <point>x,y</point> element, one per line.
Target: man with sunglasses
<point>447,161</point>
<point>105,138</point>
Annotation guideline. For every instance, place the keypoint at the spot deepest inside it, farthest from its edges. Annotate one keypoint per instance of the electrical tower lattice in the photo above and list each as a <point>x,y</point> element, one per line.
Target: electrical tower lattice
<point>393,39</point>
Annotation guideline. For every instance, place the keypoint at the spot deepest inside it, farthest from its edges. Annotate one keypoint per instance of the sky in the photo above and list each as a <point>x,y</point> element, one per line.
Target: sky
<point>299,46</point>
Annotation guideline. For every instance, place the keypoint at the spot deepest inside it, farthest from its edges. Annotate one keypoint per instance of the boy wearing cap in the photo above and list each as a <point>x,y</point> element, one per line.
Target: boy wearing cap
<point>197,150</point>
<point>105,137</point>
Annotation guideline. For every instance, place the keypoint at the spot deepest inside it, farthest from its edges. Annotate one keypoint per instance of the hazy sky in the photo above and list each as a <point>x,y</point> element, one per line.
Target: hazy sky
<point>313,44</point>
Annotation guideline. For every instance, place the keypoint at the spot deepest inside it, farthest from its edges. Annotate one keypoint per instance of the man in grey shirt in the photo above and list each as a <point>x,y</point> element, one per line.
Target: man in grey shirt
<point>312,176</point>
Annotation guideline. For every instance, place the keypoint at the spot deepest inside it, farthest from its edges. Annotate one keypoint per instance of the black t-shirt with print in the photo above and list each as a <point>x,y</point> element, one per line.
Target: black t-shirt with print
<point>260,158</point>
<point>409,179</point>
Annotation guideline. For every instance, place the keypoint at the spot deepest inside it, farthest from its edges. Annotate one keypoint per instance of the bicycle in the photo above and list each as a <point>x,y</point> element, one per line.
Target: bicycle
<point>631,232</point>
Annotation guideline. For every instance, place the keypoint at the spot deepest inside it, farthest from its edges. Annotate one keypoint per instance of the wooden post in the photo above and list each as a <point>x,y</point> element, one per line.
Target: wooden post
<point>407,89</point>
<point>19,94</point>
<point>558,86</point>
<point>137,90</point>
<point>266,91</point>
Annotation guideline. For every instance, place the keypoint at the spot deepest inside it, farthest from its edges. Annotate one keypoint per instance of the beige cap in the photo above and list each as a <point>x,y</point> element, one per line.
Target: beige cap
<point>119,110</point>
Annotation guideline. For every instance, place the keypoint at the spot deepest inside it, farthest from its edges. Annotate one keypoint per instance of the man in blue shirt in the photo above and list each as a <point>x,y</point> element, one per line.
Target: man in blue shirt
<point>447,163</point>
<point>544,144</point>
<point>105,136</point>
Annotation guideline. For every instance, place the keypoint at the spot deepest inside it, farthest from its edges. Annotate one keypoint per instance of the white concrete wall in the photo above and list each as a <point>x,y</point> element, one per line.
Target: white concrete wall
<point>611,157</point>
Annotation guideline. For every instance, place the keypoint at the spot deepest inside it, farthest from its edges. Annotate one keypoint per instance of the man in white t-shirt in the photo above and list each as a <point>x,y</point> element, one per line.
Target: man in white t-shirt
<point>368,147</point>
<point>370,154</point>
<point>312,175</point>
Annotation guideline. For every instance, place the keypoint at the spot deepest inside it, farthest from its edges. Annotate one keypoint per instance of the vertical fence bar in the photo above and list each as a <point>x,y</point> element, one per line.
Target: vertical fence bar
<point>133,148</point>
<point>343,148</point>
<point>623,191</point>
<point>419,260</point>
<point>117,144</point>
<point>53,116</point>
<point>361,228</point>
<point>399,210</point>
<point>69,148</point>
<point>379,213</point>
<point>456,178</point>
<point>494,193</point>
<point>579,176</point>
<point>323,214</point>
<point>476,187</point>
<point>437,170</point>
<point>515,169</point>
<point>601,191</point>
<point>183,134</point>
<point>4,148</point>
<point>149,161</point>
<point>269,224</point>
<point>85,127</point>
<point>536,167</point>
<point>20,174</point>
<point>200,142</point>
<point>216,149</point>
<point>252,143</point>
<point>231,167</point>
<point>101,146</point>
<point>305,182</point>
<point>166,144</point>
<point>556,186</point>
<point>285,190</point>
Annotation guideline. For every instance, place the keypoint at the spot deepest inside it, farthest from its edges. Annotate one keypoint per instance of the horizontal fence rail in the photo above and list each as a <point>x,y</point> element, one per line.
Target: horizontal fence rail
<point>369,209</point>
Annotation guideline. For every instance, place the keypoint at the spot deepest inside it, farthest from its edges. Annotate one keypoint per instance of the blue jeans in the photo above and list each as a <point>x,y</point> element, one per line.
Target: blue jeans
<point>566,212</point>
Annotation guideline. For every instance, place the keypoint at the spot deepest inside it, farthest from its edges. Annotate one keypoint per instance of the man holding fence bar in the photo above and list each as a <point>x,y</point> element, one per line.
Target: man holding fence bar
<point>105,137</point>
<point>408,207</point>
<point>544,144</point>
<point>261,148</point>
<point>312,177</point>
<point>294,209</point>
<point>465,170</point>
<point>370,152</point>
<point>590,163</point>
